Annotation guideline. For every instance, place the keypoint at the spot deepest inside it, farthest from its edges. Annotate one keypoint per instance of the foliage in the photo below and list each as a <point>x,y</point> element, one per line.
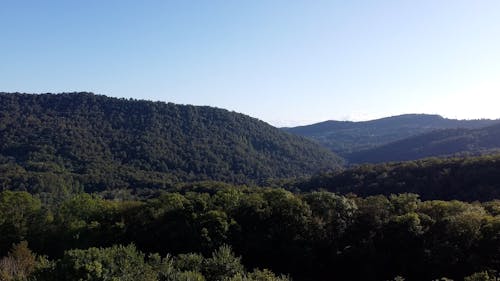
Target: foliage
<point>467,179</point>
<point>114,263</point>
<point>222,265</point>
<point>58,144</point>
<point>127,263</point>
<point>154,212</point>
<point>19,264</point>
<point>482,276</point>
<point>309,236</point>
<point>18,211</point>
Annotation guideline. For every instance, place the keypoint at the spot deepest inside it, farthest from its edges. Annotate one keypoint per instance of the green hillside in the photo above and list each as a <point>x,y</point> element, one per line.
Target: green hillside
<point>467,179</point>
<point>447,142</point>
<point>345,137</point>
<point>85,141</point>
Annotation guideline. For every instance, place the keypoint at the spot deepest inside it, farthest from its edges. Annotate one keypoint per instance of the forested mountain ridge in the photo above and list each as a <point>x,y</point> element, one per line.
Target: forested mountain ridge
<point>346,137</point>
<point>97,142</point>
<point>446,142</point>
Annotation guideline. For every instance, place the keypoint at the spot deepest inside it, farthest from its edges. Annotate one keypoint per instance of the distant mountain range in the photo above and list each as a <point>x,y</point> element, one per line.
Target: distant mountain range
<point>447,142</point>
<point>403,137</point>
<point>93,142</point>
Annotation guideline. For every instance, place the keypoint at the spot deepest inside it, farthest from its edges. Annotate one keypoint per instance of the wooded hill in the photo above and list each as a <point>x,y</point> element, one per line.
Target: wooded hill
<point>93,142</point>
<point>404,137</point>
<point>447,142</point>
<point>463,178</point>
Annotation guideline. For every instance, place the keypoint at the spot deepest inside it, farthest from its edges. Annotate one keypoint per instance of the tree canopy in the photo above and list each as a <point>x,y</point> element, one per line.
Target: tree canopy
<point>82,141</point>
<point>224,233</point>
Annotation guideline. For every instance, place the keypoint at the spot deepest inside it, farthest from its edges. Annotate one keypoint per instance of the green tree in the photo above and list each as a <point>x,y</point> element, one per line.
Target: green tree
<point>18,211</point>
<point>19,264</point>
<point>222,264</point>
<point>124,263</point>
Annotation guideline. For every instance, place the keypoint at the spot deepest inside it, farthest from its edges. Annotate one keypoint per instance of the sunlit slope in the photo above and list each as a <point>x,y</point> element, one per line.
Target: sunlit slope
<point>95,142</point>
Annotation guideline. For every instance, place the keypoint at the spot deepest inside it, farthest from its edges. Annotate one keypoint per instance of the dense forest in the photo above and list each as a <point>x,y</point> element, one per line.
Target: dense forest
<point>403,137</point>
<point>462,178</point>
<point>98,188</point>
<point>228,233</point>
<point>93,143</point>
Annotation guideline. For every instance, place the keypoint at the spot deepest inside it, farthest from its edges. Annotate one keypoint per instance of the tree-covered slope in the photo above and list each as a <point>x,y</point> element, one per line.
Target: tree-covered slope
<point>346,137</point>
<point>461,178</point>
<point>437,143</point>
<point>95,142</point>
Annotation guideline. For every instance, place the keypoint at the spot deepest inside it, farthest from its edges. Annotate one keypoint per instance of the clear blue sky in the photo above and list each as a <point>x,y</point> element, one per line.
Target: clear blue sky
<point>285,62</point>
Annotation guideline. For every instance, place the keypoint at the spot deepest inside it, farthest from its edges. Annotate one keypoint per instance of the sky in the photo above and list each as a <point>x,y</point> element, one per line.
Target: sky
<point>286,62</point>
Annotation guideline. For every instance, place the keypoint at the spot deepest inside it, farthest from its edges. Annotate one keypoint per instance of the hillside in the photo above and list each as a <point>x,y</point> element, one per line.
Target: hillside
<point>437,143</point>
<point>463,178</point>
<point>93,142</point>
<point>345,137</point>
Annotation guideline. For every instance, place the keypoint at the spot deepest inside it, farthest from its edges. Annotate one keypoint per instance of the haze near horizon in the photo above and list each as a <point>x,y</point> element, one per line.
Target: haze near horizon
<point>287,63</point>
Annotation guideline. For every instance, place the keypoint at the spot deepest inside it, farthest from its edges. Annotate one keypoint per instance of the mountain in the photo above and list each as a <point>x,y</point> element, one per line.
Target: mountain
<point>446,142</point>
<point>93,142</point>
<point>345,137</point>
